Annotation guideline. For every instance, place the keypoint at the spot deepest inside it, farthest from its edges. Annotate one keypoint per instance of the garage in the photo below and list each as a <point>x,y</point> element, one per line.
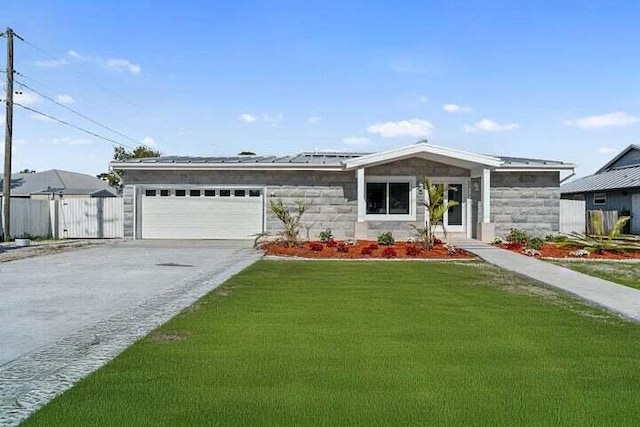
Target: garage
<point>202,213</point>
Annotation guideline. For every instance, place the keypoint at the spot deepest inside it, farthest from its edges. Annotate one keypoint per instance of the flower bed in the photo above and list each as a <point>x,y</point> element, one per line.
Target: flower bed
<point>364,249</point>
<point>551,250</point>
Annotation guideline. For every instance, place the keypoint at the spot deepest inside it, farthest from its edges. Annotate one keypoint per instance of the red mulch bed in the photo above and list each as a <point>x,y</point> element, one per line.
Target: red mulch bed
<point>549,250</point>
<point>398,250</point>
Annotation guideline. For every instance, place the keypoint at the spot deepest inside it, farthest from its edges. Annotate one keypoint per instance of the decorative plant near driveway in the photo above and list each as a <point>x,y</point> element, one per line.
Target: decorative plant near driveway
<point>326,235</point>
<point>386,239</point>
<point>436,208</point>
<point>290,221</point>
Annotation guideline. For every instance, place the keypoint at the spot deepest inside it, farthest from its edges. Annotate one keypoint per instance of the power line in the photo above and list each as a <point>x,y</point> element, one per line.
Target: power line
<point>81,115</point>
<point>113,141</point>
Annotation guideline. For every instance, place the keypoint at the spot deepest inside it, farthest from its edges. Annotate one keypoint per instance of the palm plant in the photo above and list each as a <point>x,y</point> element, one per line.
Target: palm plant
<point>290,221</point>
<point>436,205</point>
<point>601,241</point>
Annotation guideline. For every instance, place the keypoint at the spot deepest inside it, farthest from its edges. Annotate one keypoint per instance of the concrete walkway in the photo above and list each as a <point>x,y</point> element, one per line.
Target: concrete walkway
<point>611,296</point>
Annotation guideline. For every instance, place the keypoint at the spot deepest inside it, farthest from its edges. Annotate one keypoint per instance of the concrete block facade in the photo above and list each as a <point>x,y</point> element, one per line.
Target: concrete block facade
<point>529,201</point>
<point>525,200</point>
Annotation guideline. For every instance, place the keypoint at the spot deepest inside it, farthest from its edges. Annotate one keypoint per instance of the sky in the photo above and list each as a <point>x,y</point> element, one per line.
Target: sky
<point>554,80</point>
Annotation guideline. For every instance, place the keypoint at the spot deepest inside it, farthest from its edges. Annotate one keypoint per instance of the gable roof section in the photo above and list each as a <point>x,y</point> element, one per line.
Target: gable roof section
<point>608,180</point>
<point>433,152</point>
<point>59,182</point>
<point>611,163</point>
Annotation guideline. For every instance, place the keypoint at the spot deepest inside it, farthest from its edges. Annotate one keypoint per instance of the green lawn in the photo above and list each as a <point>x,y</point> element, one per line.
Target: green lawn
<point>625,273</point>
<point>370,343</point>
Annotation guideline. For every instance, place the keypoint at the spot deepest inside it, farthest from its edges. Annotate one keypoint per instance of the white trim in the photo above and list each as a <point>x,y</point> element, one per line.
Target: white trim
<point>225,166</point>
<point>411,180</point>
<point>485,184</point>
<point>420,148</point>
<point>362,194</point>
<point>469,221</point>
<point>535,168</point>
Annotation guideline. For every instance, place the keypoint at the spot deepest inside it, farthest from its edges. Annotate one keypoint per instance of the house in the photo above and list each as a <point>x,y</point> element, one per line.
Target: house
<point>614,187</point>
<point>55,184</point>
<point>355,194</point>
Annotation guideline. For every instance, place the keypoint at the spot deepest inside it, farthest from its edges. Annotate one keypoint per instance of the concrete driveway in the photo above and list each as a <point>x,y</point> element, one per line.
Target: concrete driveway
<point>46,298</point>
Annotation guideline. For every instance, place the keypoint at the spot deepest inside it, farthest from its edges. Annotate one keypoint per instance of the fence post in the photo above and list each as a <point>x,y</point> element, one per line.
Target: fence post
<point>100,218</point>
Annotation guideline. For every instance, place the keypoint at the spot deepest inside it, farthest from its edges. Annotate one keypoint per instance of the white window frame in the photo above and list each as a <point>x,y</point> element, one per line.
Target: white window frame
<point>602,196</point>
<point>411,180</point>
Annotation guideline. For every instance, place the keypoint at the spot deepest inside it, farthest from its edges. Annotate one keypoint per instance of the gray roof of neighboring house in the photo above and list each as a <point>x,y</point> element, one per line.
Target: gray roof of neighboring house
<point>613,179</point>
<point>58,182</point>
<point>324,158</point>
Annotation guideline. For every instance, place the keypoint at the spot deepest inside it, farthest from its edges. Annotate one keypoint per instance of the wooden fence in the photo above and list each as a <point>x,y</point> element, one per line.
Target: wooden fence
<point>572,216</point>
<point>609,219</point>
<point>73,218</point>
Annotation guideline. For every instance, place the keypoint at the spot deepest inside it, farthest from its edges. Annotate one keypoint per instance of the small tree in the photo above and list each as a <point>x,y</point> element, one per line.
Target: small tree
<point>120,154</point>
<point>290,221</point>
<point>436,208</point>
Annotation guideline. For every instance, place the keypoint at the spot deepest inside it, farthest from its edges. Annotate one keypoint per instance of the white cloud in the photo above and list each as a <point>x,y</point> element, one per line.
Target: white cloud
<point>149,142</point>
<point>487,125</point>
<point>455,108</point>
<point>422,99</point>
<point>248,118</point>
<point>50,63</point>
<point>26,98</point>
<point>357,140</point>
<point>116,64</point>
<point>123,64</point>
<point>412,127</point>
<point>314,120</point>
<point>608,150</point>
<point>65,99</point>
<point>72,141</point>
<point>272,120</point>
<point>610,119</point>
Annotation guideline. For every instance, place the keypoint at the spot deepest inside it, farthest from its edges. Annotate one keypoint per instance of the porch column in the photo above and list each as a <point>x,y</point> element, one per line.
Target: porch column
<point>485,183</point>
<point>362,197</point>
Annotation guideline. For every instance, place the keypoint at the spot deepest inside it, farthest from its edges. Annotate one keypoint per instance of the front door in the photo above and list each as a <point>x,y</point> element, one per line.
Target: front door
<point>455,220</point>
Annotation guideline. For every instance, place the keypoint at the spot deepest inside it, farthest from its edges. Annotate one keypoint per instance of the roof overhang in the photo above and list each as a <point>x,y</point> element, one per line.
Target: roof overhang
<point>124,166</point>
<point>436,153</point>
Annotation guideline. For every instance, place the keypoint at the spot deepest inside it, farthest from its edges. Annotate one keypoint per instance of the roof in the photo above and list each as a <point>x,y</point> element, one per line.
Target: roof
<point>58,182</point>
<point>339,161</point>
<point>618,157</point>
<point>609,180</point>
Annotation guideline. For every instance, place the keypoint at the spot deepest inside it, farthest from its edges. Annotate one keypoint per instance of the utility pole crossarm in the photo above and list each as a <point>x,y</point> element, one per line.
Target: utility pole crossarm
<point>8,138</point>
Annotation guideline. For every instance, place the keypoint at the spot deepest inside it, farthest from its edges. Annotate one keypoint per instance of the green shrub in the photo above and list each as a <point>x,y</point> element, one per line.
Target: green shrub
<point>386,238</point>
<point>517,236</point>
<point>535,243</point>
<point>326,235</point>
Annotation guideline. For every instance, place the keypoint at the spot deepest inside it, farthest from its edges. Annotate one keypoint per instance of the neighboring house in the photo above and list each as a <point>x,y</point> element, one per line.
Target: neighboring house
<point>614,187</point>
<point>56,184</point>
<point>356,195</point>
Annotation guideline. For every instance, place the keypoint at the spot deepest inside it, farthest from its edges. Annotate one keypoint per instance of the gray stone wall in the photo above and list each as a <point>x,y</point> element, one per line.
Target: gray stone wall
<point>529,201</point>
<point>417,167</point>
<point>331,196</point>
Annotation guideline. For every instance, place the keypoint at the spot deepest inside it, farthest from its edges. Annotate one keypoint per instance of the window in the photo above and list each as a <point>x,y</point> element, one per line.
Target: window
<point>209,193</point>
<point>600,198</point>
<point>194,193</point>
<point>150,193</point>
<point>181,193</point>
<point>254,193</point>
<point>225,193</point>
<point>388,198</point>
<point>239,193</point>
<point>164,193</point>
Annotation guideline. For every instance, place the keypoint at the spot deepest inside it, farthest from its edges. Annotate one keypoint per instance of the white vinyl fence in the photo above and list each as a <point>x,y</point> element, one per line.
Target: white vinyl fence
<point>28,217</point>
<point>73,218</point>
<point>87,218</point>
<point>572,216</point>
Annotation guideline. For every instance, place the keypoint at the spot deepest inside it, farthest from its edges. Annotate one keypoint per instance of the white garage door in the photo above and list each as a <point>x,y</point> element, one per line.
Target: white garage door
<point>201,213</point>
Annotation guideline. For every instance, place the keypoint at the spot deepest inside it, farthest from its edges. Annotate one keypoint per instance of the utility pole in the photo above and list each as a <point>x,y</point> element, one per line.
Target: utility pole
<point>8,137</point>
